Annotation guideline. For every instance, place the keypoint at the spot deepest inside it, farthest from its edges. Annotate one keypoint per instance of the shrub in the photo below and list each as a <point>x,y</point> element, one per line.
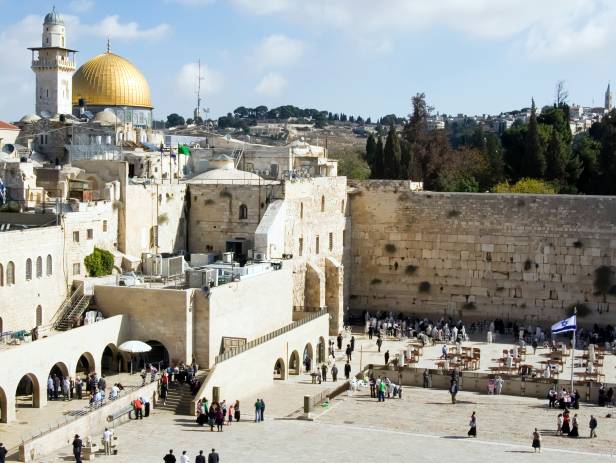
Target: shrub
<point>99,263</point>
<point>424,287</point>
<point>411,269</point>
<point>526,186</point>
<point>390,248</point>
<point>376,281</point>
<point>453,213</point>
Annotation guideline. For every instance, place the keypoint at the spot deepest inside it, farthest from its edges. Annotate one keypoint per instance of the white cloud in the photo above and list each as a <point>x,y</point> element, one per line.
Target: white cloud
<point>111,27</point>
<point>272,84</point>
<point>278,51</point>
<point>186,80</point>
<point>545,28</point>
<point>81,6</point>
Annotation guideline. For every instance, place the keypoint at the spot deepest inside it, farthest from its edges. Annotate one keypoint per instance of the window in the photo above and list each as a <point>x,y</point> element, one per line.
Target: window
<point>301,246</point>
<point>323,203</point>
<point>1,278</point>
<point>331,242</point>
<point>274,170</point>
<point>154,236</point>
<point>301,210</point>
<point>49,266</point>
<point>243,212</point>
<point>76,236</point>
<point>39,315</point>
<point>104,225</point>
<point>76,268</point>
<point>90,233</point>
<point>342,206</point>
<point>39,267</point>
<point>316,245</point>
<point>10,274</point>
<point>28,269</point>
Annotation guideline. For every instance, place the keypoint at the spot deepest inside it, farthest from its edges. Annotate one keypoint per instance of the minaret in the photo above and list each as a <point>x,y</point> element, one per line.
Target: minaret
<point>54,65</point>
<point>608,98</point>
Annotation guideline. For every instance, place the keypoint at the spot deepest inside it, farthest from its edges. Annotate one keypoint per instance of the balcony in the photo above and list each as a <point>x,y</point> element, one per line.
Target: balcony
<point>53,63</point>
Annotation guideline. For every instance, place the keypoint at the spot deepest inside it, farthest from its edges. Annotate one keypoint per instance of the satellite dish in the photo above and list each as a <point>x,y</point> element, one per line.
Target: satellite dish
<point>46,114</point>
<point>8,148</point>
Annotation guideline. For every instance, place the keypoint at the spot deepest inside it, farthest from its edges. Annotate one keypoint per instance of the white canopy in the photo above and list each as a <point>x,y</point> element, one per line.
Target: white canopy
<point>134,347</point>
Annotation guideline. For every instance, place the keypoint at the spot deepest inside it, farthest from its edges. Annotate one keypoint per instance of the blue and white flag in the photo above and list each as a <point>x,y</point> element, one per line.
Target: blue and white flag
<point>563,326</point>
<point>2,193</point>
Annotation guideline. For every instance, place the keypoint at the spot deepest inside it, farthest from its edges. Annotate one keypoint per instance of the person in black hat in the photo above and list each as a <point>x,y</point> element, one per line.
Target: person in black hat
<point>77,445</point>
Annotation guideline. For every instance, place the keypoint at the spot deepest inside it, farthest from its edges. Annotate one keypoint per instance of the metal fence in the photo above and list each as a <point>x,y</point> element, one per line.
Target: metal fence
<point>268,336</point>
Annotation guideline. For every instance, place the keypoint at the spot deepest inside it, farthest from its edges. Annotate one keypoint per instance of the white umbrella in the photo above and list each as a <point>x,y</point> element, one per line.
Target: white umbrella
<point>134,347</point>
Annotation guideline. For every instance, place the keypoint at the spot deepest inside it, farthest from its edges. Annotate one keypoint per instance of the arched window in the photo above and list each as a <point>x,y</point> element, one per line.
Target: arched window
<point>1,277</point>
<point>10,274</point>
<point>243,212</point>
<point>49,265</point>
<point>342,206</point>
<point>323,203</point>
<point>39,267</point>
<point>39,315</point>
<point>28,269</point>
<point>301,210</point>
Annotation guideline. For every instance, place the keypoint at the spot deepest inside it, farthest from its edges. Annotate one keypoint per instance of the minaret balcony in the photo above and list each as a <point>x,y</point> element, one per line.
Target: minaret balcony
<point>53,63</point>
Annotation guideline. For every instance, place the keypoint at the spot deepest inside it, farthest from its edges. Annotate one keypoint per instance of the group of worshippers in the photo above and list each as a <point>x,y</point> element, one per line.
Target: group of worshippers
<point>383,387</point>
<point>220,414</point>
<point>64,388</point>
<point>563,399</point>
<point>569,426</point>
<point>213,457</point>
<point>606,396</point>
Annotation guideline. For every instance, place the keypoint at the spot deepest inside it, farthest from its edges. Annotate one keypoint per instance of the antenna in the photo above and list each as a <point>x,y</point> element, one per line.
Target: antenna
<point>108,45</point>
<point>199,79</point>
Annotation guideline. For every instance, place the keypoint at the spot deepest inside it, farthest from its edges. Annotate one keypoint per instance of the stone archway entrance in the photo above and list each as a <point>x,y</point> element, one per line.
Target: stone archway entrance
<point>294,363</point>
<point>4,411</point>
<point>27,394</point>
<point>308,358</point>
<point>280,372</point>
<point>321,350</point>
<point>85,365</point>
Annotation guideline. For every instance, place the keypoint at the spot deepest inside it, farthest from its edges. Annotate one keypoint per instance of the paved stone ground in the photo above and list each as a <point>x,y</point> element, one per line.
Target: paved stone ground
<point>359,429</point>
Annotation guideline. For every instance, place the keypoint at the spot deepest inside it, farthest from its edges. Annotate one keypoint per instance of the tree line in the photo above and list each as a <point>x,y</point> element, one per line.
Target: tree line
<point>465,157</point>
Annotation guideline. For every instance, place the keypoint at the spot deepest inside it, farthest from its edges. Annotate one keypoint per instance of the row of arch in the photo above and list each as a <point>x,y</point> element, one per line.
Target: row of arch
<point>10,270</point>
<point>30,387</point>
<point>294,364</point>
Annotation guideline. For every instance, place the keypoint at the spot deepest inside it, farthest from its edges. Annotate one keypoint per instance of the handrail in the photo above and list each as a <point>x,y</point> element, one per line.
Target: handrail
<point>271,335</point>
<point>66,305</point>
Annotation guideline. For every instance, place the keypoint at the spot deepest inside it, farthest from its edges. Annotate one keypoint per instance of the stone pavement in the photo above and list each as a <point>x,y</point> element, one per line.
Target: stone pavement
<point>358,429</point>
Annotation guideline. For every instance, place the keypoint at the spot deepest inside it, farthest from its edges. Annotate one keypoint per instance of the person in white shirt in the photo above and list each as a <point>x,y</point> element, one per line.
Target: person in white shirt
<point>107,440</point>
<point>184,458</point>
<point>115,391</point>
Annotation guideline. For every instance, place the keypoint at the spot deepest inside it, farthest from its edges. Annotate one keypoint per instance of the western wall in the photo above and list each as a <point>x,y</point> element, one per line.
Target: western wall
<point>482,256</point>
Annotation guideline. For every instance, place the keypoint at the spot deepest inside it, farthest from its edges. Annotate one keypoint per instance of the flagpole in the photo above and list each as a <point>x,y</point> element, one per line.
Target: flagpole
<point>573,348</point>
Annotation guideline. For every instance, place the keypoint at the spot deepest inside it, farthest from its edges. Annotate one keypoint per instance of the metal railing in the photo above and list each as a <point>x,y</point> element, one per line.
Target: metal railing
<point>67,306</point>
<point>268,336</point>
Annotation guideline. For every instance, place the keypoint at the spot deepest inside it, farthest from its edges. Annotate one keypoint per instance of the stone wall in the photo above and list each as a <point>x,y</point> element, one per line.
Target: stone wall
<point>522,257</point>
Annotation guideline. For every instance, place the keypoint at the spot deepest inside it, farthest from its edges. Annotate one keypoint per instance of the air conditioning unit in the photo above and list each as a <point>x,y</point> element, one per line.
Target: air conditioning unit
<point>259,256</point>
<point>227,257</point>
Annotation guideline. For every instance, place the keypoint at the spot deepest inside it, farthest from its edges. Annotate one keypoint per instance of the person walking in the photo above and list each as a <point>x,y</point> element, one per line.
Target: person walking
<point>347,370</point>
<point>499,383</point>
<point>472,432</point>
<point>236,410</point>
<point>200,458</point>
<point>387,357</point>
<point>262,409</point>
<point>107,441</point>
<point>3,452</point>
<point>77,446</point>
<point>427,379</point>
<point>213,457</point>
<point>339,341</point>
<point>348,352</point>
<point>257,414</point>
<point>184,458</point>
<point>453,391</point>
<point>334,373</point>
<point>352,343</point>
<point>379,342</point>
<point>170,457</point>
<point>592,424</point>
<point>537,441</point>
<point>324,372</point>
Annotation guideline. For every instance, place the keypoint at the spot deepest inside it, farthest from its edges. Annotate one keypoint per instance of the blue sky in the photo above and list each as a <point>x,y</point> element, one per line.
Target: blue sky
<point>354,56</point>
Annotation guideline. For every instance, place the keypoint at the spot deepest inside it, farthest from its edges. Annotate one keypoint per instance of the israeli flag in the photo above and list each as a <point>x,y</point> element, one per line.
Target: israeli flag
<point>2,193</point>
<point>569,324</point>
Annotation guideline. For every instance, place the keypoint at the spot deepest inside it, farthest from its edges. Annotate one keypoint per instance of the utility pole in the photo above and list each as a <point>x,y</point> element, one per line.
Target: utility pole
<point>199,79</point>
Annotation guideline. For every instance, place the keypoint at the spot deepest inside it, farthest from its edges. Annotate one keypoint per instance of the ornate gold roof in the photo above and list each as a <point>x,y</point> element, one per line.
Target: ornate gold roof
<point>110,80</point>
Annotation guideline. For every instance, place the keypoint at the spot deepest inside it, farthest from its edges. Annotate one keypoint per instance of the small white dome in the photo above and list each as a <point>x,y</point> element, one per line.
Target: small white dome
<point>30,118</point>
<point>106,117</point>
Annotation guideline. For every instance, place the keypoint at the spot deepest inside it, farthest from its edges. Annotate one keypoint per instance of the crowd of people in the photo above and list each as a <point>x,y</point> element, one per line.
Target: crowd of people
<point>93,387</point>
<point>218,414</point>
<point>213,457</point>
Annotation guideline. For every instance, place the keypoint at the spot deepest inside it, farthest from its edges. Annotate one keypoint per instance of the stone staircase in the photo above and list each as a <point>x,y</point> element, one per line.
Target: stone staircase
<point>178,400</point>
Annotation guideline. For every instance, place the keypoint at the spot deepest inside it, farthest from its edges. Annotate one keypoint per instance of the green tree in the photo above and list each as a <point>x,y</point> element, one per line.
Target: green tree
<point>352,165</point>
<point>534,158</point>
<point>99,263</point>
<point>173,120</point>
<point>379,159</point>
<point>393,154</point>
<point>371,153</point>
<point>556,159</point>
<point>587,150</point>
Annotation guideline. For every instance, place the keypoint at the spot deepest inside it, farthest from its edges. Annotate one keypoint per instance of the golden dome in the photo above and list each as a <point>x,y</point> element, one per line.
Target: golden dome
<point>110,80</point>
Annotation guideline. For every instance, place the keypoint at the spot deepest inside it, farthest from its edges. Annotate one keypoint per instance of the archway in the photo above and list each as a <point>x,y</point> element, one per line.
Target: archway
<point>111,361</point>
<point>294,367</point>
<point>279,369</point>
<point>85,365</point>
<point>27,394</point>
<point>39,315</point>
<point>4,413</point>
<point>308,357</point>
<point>57,373</point>
<point>59,369</point>
<point>159,355</point>
<point>321,352</point>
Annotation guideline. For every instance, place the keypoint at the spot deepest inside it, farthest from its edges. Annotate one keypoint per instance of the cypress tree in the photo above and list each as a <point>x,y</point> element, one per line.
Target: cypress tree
<point>534,158</point>
<point>371,154</point>
<point>393,154</point>
<point>556,159</point>
<point>379,159</point>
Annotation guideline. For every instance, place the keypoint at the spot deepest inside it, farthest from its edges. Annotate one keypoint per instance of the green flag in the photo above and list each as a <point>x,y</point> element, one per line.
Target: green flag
<point>183,149</point>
